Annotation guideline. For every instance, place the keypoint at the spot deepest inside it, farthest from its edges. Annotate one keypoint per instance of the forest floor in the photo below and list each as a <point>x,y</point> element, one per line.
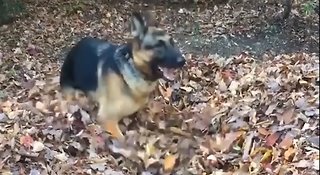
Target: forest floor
<point>246,102</point>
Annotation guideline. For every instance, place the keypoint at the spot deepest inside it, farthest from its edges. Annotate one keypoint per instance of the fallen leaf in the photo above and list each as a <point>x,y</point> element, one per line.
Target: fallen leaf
<point>224,143</point>
<point>264,131</point>
<point>98,166</point>
<point>150,149</point>
<point>17,50</point>
<point>34,172</point>
<point>179,131</point>
<point>156,107</point>
<point>243,170</point>
<point>28,84</point>
<point>62,157</point>
<point>233,87</point>
<point>289,153</point>
<point>247,147</point>
<point>286,142</point>
<point>186,88</point>
<point>288,116</point>
<point>110,171</point>
<point>271,108</point>
<point>26,141</point>
<point>41,106</point>
<point>222,113</point>
<point>2,77</point>
<point>272,139</point>
<point>316,164</point>
<point>303,164</point>
<point>85,117</point>
<point>314,141</point>
<point>228,74</point>
<point>274,84</point>
<point>301,103</point>
<point>255,164</point>
<point>3,118</point>
<point>267,156</point>
<point>37,146</point>
<point>165,92</point>
<point>169,162</point>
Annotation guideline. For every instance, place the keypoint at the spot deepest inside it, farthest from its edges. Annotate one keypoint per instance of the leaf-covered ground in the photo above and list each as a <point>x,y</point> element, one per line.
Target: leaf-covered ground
<point>233,115</point>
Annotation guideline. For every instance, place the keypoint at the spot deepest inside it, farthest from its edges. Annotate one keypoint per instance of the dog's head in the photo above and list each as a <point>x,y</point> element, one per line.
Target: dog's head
<point>154,51</point>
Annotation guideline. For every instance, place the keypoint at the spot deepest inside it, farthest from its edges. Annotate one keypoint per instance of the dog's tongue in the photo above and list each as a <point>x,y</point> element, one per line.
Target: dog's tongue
<point>168,73</point>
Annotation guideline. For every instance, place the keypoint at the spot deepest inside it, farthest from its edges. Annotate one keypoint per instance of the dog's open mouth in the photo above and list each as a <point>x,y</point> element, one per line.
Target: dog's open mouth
<point>168,74</point>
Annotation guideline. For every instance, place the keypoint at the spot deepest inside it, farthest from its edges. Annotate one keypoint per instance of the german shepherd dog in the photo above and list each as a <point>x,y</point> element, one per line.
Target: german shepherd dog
<point>121,77</point>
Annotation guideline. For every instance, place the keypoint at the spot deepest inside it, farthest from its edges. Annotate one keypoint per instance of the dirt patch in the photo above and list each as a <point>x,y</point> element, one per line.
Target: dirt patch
<point>275,42</point>
<point>248,27</point>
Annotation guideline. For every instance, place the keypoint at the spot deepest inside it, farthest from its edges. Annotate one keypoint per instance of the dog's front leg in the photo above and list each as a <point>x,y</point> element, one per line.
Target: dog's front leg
<point>112,126</point>
<point>108,120</point>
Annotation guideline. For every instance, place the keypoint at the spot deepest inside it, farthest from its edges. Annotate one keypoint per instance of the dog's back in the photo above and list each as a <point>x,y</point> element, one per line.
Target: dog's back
<point>79,70</point>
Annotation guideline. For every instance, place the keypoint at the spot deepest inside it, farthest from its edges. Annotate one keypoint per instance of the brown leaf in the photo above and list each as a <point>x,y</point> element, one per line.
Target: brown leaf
<point>26,141</point>
<point>6,106</point>
<point>288,116</point>
<point>28,84</point>
<point>30,107</point>
<point>228,74</point>
<point>272,139</point>
<point>286,142</point>
<point>166,92</point>
<point>169,162</point>
<point>179,131</point>
<point>263,131</point>
<point>224,143</point>
<point>42,107</point>
<point>33,91</point>
<point>156,107</point>
<point>243,169</point>
<point>289,153</point>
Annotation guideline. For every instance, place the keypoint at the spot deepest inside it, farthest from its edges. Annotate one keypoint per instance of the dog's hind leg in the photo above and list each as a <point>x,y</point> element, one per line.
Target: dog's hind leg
<point>69,93</point>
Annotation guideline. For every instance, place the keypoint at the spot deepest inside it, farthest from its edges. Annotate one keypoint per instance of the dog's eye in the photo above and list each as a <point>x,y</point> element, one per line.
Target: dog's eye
<point>149,47</point>
<point>157,45</point>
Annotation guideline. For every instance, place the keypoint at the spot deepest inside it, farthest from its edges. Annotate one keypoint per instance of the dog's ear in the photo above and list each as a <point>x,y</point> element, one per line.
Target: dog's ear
<point>150,18</point>
<point>138,25</point>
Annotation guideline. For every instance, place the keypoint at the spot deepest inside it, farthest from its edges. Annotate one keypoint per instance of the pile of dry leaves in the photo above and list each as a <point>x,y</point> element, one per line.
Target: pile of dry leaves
<point>222,116</point>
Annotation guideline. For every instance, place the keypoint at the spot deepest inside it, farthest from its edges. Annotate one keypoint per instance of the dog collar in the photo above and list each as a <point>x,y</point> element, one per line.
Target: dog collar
<point>131,75</point>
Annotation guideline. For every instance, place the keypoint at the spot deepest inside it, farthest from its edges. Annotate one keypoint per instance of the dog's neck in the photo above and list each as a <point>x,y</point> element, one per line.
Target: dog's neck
<point>132,76</point>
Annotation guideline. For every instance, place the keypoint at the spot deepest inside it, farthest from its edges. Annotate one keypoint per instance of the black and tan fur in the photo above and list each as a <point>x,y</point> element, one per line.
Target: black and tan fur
<point>120,77</point>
